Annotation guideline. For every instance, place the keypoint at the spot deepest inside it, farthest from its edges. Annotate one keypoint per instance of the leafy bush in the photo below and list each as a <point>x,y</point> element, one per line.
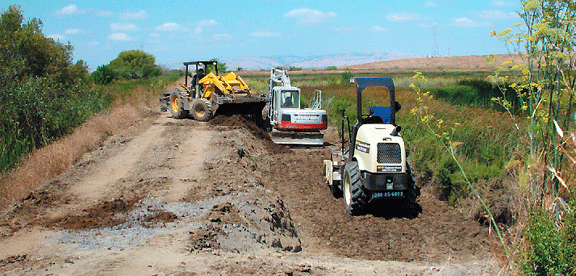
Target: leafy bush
<point>331,68</point>
<point>103,75</point>
<point>551,249</point>
<point>346,75</point>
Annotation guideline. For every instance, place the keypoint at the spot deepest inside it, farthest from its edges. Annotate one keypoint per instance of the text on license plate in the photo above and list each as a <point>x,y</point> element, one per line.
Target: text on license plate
<point>389,194</point>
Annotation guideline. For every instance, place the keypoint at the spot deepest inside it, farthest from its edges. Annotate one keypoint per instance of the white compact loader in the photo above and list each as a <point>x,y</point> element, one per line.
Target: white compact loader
<point>372,164</point>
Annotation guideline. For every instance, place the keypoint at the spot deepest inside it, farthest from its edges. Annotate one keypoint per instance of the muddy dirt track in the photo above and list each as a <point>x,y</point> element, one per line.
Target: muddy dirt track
<point>180,197</point>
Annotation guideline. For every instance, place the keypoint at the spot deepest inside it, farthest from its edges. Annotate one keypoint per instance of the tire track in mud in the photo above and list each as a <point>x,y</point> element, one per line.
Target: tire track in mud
<point>93,188</point>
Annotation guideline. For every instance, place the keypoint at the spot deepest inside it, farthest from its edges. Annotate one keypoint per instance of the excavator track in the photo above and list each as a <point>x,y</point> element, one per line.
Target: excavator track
<point>297,138</point>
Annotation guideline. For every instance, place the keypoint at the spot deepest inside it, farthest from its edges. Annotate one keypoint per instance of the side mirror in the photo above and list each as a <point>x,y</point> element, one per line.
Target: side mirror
<point>397,106</point>
<point>396,130</point>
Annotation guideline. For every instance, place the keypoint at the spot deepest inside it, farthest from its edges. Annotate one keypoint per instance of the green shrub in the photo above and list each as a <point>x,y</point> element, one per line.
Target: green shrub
<point>345,76</point>
<point>331,68</point>
<point>103,75</point>
<point>550,249</point>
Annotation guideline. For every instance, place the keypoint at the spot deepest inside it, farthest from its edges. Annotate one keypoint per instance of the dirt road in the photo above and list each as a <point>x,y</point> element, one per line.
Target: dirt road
<point>179,197</point>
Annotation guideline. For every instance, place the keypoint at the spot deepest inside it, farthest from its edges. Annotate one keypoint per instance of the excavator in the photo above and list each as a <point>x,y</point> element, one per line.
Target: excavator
<point>211,94</point>
<point>291,124</point>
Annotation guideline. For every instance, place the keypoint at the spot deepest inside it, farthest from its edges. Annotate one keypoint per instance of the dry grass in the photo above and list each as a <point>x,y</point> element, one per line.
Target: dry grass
<point>50,161</point>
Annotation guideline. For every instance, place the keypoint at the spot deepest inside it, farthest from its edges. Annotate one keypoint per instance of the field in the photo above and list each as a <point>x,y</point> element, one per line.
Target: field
<point>164,196</point>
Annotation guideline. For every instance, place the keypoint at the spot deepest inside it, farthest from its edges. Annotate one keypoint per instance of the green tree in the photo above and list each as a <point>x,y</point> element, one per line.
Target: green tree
<point>26,52</point>
<point>221,66</point>
<point>135,64</point>
<point>43,94</point>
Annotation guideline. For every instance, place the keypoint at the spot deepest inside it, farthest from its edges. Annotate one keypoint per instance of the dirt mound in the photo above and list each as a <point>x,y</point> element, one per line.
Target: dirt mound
<point>250,221</point>
<point>435,233</point>
<point>254,126</point>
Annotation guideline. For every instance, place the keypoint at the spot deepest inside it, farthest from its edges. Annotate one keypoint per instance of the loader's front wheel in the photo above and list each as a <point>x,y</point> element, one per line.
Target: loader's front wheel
<point>177,107</point>
<point>202,110</point>
<point>354,195</point>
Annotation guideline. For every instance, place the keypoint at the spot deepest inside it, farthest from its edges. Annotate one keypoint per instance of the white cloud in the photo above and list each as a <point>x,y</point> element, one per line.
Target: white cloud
<point>170,27</point>
<point>206,23</point>
<point>105,13</point>
<point>154,35</point>
<point>222,37</point>
<point>379,29</point>
<point>120,37</point>
<point>72,31</point>
<point>345,29</point>
<point>124,27</point>
<point>495,14</point>
<point>431,4</point>
<point>133,15</point>
<point>466,22</point>
<point>265,34</point>
<point>500,3</point>
<point>309,16</point>
<point>403,16</point>
<point>57,37</point>
<point>69,10</point>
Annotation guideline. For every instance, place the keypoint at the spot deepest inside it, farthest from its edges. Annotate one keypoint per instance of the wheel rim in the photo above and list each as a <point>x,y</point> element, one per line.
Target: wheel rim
<point>347,193</point>
<point>174,103</point>
<point>200,111</point>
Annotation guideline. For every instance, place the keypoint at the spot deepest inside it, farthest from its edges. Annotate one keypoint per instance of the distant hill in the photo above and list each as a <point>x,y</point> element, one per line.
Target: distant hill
<point>308,62</point>
<point>472,63</point>
<point>425,64</point>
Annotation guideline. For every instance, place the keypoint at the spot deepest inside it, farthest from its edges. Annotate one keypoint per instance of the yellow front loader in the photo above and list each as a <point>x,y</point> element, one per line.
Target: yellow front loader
<point>212,94</point>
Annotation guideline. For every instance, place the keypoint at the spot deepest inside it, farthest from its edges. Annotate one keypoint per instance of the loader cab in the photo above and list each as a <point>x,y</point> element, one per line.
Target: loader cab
<point>193,68</point>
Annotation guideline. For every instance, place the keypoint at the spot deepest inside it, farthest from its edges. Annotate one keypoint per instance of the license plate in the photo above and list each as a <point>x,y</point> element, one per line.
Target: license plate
<point>389,194</point>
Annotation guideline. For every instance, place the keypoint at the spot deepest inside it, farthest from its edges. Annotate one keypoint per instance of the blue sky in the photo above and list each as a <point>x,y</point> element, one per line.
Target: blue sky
<point>174,31</point>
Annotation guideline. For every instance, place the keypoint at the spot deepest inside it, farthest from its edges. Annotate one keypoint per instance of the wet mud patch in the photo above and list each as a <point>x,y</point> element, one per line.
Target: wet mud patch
<point>105,214</point>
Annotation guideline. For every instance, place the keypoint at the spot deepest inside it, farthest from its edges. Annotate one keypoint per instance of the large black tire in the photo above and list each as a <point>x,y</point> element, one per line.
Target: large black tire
<point>413,190</point>
<point>176,104</point>
<point>202,110</point>
<point>355,198</point>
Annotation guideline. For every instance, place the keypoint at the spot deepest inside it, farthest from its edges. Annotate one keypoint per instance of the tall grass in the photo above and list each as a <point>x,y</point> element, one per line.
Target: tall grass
<point>34,115</point>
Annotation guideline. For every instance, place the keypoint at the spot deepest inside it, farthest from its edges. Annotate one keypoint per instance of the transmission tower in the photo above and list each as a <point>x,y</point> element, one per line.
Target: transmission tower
<point>435,51</point>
